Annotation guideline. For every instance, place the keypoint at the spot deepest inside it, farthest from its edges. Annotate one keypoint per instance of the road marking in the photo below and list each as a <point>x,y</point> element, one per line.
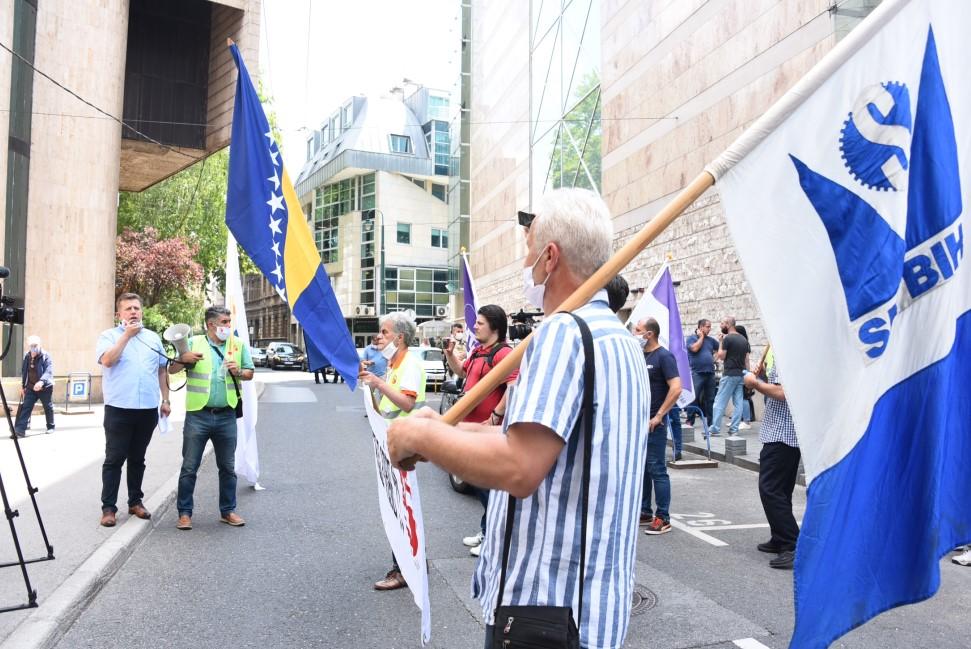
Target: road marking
<point>736,527</point>
<point>749,643</point>
<point>693,531</point>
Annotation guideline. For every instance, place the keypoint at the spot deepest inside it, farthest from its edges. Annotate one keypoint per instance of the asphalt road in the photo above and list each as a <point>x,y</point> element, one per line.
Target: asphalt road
<point>299,574</point>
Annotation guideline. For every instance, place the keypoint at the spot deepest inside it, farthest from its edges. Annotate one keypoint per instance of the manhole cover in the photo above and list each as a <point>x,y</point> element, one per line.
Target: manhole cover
<point>643,600</point>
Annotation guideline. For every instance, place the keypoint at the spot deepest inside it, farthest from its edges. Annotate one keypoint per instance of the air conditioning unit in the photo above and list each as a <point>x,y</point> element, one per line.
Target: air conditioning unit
<point>369,310</point>
<point>441,311</point>
<point>362,309</point>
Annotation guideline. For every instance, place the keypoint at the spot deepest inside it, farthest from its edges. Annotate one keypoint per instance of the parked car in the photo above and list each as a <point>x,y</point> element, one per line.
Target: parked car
<point>433,360</point>
<point>283,355</point>
<point>258,354</point>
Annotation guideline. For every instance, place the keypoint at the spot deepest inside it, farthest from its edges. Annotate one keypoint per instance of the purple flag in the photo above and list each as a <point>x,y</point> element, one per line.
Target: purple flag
<point>471,306</point>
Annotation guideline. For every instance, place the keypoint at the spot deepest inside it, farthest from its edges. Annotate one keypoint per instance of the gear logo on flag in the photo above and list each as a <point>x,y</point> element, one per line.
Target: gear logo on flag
<point>876,137</point>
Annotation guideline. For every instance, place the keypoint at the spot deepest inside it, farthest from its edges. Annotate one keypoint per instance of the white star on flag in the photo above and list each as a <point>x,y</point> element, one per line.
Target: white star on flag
<point>273,156</point>
<point>269,136</point>
<point>275,202</point>
<point>275,225</point>
<point>278,273</point>
<point>276,181</point>
<point>276,248</point>
<point>282,293</point>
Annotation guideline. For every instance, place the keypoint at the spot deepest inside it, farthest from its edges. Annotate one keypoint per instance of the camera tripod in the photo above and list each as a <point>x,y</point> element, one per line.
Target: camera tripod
<point>11,514</point>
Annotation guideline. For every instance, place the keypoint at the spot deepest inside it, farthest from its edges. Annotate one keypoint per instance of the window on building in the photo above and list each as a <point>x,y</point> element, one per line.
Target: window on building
<point>325,134</point>
<point>367,192</point>
<point>439,191</point>
<point>310,148</point>
<point>400,143</point>
<point>420,183</point>
<point>347,116</point>
<point>419,289</point>
<point>335,126</point>
<point>439,239</point>
<point>404,233</point>
<point>437,107</point>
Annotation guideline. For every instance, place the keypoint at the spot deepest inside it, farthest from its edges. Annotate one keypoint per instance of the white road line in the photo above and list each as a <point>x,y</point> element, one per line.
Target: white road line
<point>697,534</point>
<point>749,643</point>
<point>751,526</point>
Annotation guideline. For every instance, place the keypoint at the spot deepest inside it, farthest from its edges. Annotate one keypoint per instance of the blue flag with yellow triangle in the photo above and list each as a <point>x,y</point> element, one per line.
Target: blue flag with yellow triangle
<point>263,213</point>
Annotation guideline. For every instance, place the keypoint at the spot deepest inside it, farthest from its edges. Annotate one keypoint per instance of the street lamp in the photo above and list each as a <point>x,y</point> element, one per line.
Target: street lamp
<point>379,301</point>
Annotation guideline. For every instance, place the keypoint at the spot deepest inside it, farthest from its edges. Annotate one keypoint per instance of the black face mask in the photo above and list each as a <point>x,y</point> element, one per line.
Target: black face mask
<point>724,330</point>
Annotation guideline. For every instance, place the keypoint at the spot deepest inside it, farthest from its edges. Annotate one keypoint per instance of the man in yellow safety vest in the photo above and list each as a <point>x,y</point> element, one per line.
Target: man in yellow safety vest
<point>218,362</point>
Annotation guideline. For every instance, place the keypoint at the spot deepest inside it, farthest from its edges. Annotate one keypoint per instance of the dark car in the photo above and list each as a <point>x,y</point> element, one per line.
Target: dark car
<point>258,354</point>
<point>285,356</point>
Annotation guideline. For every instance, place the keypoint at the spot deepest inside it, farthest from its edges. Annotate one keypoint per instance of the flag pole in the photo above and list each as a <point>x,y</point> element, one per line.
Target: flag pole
<point>585,291</point>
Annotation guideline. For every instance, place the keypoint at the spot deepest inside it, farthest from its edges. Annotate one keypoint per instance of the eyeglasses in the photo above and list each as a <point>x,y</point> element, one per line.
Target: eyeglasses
<point>526,219</point>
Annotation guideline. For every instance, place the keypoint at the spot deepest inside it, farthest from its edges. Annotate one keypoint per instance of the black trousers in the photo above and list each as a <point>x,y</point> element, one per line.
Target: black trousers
<point>127,434</point>
<point>778,467</point>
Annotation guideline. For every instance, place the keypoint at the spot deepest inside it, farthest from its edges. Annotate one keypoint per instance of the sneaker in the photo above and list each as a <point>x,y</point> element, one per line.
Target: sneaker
<point>646,519</point>
<point>677,457</point>
<point>50,430</point>
<point>713,432</point>
<point>658,526</point>
<point>962,559</point>
<point>744,426</point>
<point>473,541</point>
<point>476,551</point>
<point>784,561</point>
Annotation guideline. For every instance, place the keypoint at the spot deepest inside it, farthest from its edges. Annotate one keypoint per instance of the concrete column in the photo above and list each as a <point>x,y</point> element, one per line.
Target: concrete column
<point>75,150</point>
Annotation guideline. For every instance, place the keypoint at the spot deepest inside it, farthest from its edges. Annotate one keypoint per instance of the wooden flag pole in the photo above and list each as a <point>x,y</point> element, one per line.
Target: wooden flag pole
<point>585,292</point>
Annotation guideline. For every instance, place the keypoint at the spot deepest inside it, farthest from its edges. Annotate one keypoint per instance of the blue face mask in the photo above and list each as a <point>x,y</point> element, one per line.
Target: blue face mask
<point>34,349</point>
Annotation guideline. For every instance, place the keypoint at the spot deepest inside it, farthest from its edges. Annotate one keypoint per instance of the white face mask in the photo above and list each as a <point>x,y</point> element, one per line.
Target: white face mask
<point>389,350</point>
<point>34,349</point>
<point>534,294</point>
<point>222,333</point>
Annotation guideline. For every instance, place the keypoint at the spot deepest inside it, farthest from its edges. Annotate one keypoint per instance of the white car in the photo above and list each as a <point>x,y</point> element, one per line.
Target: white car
<point>433,360</point>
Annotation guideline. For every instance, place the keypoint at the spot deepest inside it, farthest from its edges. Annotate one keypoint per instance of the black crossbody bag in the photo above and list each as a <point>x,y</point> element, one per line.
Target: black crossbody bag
<point>239,397</point>
<point>551,627</point>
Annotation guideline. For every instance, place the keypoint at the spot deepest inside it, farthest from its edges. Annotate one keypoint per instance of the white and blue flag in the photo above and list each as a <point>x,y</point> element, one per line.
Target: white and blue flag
<point>847,206</point>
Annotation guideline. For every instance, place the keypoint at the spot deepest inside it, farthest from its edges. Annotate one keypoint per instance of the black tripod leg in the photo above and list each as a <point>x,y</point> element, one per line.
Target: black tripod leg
<point>31,489</point>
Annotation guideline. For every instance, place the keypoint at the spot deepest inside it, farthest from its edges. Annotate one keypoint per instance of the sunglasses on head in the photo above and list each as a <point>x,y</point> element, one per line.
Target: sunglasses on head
<point>526,219</point>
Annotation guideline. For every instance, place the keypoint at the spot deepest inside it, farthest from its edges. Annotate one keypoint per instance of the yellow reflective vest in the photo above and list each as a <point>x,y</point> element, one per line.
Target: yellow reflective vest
<point>198,377</point>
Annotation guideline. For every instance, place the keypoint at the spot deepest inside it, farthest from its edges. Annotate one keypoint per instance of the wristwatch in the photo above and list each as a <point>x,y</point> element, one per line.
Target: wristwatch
<point>166,402</point>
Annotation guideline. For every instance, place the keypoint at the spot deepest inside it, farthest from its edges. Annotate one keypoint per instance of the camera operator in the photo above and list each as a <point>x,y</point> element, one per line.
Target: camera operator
<point>134,378</point>
<point>490,331</point>
<point>36,382</point>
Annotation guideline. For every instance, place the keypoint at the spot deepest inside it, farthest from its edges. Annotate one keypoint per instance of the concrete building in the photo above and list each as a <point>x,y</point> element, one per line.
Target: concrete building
<point>162,67</point>
<point>676,82</point>
<point>375,188</point>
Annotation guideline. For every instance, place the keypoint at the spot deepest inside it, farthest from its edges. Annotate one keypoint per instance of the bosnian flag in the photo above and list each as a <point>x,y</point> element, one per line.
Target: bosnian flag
<point>660,302</point>
<point>846,204</point>
<point>264,214</point>
<point>471,304</point>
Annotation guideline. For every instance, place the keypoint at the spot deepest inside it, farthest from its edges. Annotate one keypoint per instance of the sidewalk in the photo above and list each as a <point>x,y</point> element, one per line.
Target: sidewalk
<point>65,467</point>
<point>695,443</point>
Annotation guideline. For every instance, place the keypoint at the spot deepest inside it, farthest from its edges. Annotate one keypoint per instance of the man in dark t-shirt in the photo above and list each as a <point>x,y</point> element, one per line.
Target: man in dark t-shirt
<point>733,351</point>
<point>665,382</point>
<point>701,357</point>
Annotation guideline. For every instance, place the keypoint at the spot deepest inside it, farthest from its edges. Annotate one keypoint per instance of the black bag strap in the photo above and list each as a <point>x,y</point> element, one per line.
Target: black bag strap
<point>231,375</point>
<point>586,421</point>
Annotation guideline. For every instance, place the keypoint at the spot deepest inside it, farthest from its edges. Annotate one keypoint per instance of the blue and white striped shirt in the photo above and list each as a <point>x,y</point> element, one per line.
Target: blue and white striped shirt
<point>544,554</point>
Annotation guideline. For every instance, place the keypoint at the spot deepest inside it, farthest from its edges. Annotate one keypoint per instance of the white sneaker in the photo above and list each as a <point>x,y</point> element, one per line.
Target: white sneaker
<point>962,559</point>
<point>744,426</point>
<point>473,541</point>
<point>476,551</point>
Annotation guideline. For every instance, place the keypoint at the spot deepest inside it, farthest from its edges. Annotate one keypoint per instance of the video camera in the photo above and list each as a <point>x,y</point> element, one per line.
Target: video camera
<point>9,312</point>
<point>523,323</point>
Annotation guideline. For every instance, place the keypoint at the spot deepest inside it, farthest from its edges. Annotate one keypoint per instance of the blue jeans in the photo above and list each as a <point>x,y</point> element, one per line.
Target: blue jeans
<point>483,496</point>
<point>30,398</point>
<point>200,427</point>
<point>730,387</point>
<point>656,475</point>
<point>674,419</point>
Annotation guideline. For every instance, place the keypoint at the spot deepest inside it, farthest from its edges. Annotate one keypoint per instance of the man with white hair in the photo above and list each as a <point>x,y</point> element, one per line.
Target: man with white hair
<point>402,392</point>
<point>537,455</point>
<point>36,382</point>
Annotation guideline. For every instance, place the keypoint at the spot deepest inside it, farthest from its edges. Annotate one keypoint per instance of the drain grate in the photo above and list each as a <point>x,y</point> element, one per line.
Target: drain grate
<point>644,600</point>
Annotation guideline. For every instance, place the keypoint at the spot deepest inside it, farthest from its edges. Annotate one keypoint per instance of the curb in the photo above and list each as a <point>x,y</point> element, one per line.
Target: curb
<point>741,461</point>
<point>43,628</point>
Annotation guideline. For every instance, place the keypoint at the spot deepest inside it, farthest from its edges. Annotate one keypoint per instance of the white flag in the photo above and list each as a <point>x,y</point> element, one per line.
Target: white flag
<point>247,453</point>
<point>400,505</point>
<point>849,221</point>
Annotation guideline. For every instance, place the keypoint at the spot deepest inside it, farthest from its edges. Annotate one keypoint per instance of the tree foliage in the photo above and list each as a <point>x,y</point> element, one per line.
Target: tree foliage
<point>580,131</point>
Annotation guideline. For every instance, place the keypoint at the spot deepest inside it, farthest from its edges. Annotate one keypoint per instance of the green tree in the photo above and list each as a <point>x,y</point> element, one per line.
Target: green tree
<point>579,138</point>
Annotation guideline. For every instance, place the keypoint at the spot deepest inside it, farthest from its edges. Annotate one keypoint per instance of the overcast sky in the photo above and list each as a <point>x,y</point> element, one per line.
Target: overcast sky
<point>351,47</point>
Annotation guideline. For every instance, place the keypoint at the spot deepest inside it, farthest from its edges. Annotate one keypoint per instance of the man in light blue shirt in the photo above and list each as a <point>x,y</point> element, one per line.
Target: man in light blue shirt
<point>135,392</point>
